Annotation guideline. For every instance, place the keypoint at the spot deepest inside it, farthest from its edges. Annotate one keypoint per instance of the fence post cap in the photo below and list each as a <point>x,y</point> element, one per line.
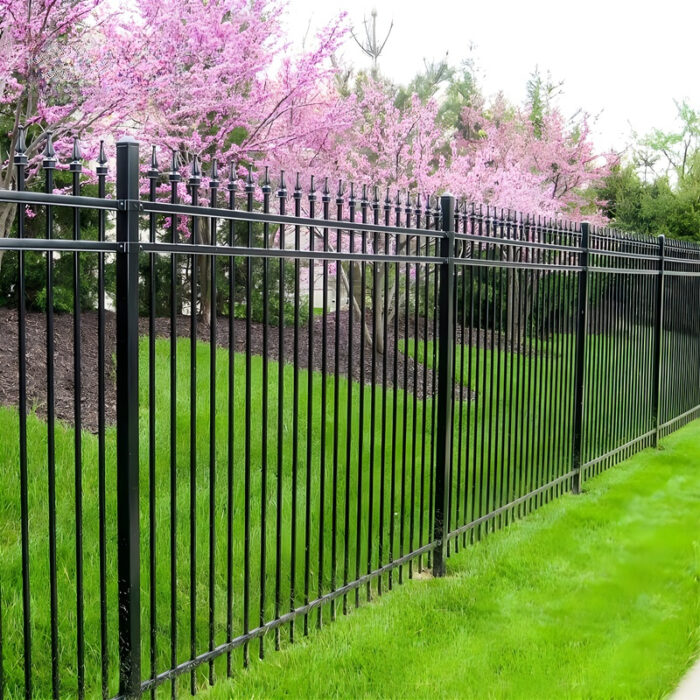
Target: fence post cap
<point>127,138</point>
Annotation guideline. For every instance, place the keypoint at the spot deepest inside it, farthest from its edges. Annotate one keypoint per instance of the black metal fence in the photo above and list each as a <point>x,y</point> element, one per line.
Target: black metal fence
<point>253,419</point>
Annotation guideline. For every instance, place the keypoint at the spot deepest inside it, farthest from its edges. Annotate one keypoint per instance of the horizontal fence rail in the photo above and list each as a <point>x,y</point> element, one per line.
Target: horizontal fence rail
<point>232,412</point>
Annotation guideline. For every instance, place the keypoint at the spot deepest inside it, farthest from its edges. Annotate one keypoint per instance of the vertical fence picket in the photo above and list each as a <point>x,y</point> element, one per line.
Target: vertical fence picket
<point>582,315</point>
<point>658,339</point>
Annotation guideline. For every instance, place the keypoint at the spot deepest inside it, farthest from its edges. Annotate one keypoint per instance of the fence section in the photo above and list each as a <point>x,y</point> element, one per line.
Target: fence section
<point>303,397</point>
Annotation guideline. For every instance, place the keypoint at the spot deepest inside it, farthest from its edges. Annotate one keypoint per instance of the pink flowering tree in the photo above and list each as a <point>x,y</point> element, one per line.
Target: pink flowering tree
<point>63,70</point>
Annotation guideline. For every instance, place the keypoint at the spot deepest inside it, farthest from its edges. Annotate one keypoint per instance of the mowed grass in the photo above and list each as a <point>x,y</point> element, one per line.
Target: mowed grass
<point>193,524</point>
<point>518,380</point>
<point>593,596</point>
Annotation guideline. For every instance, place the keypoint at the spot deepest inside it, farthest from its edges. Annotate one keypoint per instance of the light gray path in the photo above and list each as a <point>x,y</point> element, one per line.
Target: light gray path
<point>689,688</point>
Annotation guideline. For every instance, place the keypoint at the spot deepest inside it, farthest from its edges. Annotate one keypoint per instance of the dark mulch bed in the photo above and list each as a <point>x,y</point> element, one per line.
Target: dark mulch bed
<point>349,355</point>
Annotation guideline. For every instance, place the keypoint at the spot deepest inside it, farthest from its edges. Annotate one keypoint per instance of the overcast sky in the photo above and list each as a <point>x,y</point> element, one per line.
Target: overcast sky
<point>623,62</point>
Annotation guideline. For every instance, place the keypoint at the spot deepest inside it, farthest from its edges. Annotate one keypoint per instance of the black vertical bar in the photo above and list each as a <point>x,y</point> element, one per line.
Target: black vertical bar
<point>127,380</point>
<point>309,410</point>
<point>49,165</point>
<point>266,189</point>
<point>231,187</point>
<point>20,161</point>
<point>193,185</point>
<point>249,189</point>
<point>582,301</point>
<point>326,199</point>
<point>282,195</point>
<point>373,398</point>
<point>385,330</point>
<point>404,419</point>
<point>295,411</point>
<point>212,223</point>
<point>153,175</point>
<point>174,179</point>
<point>336,398</point>
<point>658,335</point>
<point>348,437</point>
<point>101,423</point>
<point>445,392</point>
<point>361,413</point>
<point>395,404</point>
<point>76,168</point>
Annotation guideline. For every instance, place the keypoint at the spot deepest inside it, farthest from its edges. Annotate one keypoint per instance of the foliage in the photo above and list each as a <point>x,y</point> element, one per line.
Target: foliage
<point>658,190</point>
<point>63,263</point>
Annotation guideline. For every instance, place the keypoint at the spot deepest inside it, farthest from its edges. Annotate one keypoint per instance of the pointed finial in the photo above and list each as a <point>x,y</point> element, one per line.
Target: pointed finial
<point>282,192</point>
<point>313,183</point>
<point>101,169</point>
<point>339,195</point>
<point>297,187</point>
<point>352,193</point>
<point>102,157</point>
<point>214,174</point>
<point>196,171</point>
<point>418,202</point>
<point>49,152</point>
<point>364,194</point>
<point>231,186</point>
<point>376,196</point>
<point>174,175</point>
<point>153,170</point>
<point>397,201</point>
<point>387,199</point>
<point>21,145</point>
<point>266,180</point>
<point>326,189</point>
<point>76,164</point>
<point>77,155</point>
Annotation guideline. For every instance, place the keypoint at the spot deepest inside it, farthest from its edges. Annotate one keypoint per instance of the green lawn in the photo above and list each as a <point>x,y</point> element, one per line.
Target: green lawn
<point>500,412</point>
<point>595,596</point>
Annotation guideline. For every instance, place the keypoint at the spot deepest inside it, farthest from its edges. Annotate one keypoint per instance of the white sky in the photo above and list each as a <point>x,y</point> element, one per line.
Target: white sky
<point>623,62</point>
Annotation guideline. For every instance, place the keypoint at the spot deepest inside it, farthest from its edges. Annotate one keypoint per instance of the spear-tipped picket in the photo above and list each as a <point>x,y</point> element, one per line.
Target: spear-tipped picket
<point>282,190</point>
<point>312,189</point>
<point>408,208</point>
<point>195,172</point>
<point>297,187</point>
<point>214,174</point>
<point>76,164</point>
<point>21,147</point>
<point>174,175</point>
<point>340,195</point>
<point>101,169</point>
<point>49,161</point>
<point>232,177</point>
<point>326,196</point>
<point>153,172</point>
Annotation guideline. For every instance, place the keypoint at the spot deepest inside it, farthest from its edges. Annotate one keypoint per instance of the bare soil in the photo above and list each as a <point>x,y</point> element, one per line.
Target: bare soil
<point>409,374</point>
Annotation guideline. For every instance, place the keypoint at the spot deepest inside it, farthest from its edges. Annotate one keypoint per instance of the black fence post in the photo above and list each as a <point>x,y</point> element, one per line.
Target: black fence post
<point>127,379</point>
<point>445,390</point>
<point>580,388</point>
<point>658,333</point>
